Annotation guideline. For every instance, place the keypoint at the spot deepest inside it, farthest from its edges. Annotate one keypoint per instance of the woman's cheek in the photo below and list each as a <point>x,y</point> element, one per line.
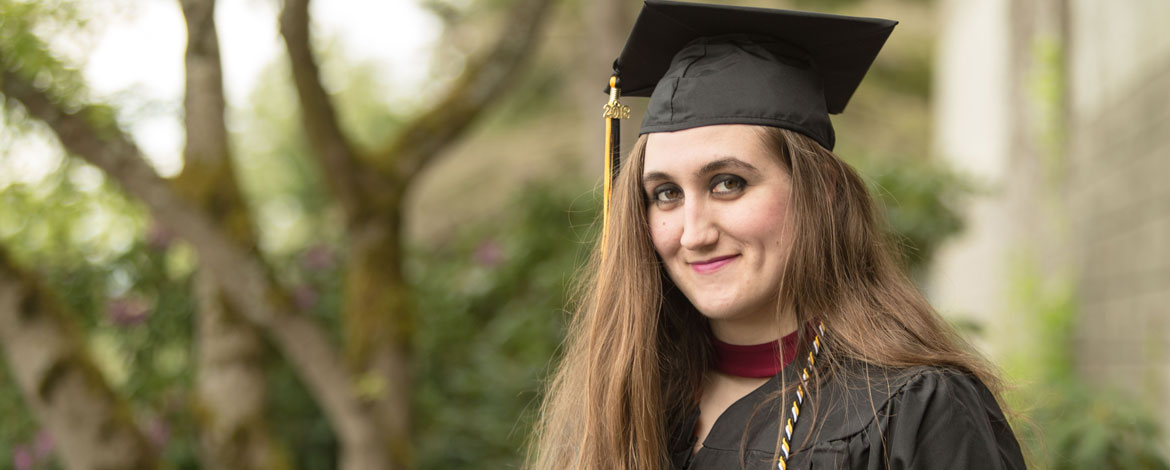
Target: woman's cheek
<point>761,217</point>
<point>664,233</point>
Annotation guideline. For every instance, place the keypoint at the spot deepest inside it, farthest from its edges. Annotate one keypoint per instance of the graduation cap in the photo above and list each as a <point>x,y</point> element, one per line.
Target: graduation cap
<point>711,64</point>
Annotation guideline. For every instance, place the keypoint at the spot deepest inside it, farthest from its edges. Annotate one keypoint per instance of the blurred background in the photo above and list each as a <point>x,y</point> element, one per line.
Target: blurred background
<point>275,235</point>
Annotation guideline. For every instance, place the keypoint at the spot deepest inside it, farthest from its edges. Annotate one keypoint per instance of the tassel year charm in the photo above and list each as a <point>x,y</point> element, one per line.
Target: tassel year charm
<point>614,110</point>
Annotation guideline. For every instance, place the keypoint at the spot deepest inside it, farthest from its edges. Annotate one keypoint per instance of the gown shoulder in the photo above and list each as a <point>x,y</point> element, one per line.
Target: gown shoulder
<point>869,417</point>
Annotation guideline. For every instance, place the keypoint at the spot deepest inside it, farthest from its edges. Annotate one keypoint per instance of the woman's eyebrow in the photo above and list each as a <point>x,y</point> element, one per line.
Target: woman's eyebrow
<point>710,167</point>
<point>724,163</point>
<point>655,176</point>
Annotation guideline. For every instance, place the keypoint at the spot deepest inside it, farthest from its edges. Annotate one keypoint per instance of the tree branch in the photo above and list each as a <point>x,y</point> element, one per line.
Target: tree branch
<point>208,179</point>
<point>335,152</point>
<point>91,425</point>
<point>249,288</point>
<point>204,103</point>
<point>230,382</point>
<point>483,81</point>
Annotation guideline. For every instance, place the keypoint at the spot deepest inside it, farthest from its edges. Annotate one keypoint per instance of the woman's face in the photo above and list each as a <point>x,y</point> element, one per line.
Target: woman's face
<point>718,210</point>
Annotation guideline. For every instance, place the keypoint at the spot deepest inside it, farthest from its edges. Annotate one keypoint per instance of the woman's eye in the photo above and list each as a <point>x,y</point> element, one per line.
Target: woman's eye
<point>728,184</point>
<point>667,194</point>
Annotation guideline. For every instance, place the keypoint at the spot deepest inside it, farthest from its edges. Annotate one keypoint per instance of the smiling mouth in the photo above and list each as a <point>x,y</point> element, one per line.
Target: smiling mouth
<point>713,264</point>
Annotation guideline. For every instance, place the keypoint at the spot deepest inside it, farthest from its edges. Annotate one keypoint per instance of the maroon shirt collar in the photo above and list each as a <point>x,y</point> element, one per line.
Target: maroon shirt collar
<point>755,360</point>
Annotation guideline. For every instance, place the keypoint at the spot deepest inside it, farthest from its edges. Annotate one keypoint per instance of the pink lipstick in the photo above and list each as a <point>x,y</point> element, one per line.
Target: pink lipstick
<point>713,264</point>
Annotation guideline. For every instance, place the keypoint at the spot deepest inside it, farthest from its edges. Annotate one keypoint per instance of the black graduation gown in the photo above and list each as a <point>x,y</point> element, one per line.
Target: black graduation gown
<point>870,418</point>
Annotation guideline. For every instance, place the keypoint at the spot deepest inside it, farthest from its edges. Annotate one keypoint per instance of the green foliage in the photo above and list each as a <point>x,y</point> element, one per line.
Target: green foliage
<point>920,200</point>
<point>1046,91</point>
<point>137,313</point>
<point>22,24</point>
<point>128,290</point>
<point>1087,427</point>
<point>1073,424</point>
<point>276,171</point>
<point>490,317</point>
<point>908,71</point>
<point>315,279</point>
<point>79,217</point>
<point>297,422</point>
<point>19,429</point>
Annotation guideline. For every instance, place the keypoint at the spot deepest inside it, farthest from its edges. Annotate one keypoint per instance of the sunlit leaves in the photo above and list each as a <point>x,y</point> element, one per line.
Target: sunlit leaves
<point>491,306</point>
<point>23,51</point>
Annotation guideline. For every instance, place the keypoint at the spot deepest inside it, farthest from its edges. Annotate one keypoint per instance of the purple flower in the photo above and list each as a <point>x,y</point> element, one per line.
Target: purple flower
<point>22,459</point>
<point>158,237</point>
<point>305,296</point>
<point>42,445</point>
<point>318,258</point>
<point>127,310</point>
<point>489,253</point>
<point>158,431</point>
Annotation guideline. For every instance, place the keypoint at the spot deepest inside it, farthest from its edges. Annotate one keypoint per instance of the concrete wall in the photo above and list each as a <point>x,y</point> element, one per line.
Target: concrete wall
<point>1119,191</point>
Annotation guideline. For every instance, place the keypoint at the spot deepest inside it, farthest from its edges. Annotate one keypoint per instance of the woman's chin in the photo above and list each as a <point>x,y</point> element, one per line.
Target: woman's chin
<point>721,312</point>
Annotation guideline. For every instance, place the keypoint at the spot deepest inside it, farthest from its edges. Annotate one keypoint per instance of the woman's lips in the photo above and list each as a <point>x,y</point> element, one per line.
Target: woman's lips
<point>713,264</point>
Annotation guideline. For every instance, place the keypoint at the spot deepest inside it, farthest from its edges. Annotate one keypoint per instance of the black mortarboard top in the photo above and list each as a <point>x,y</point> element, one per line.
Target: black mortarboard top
<point>713,64</point>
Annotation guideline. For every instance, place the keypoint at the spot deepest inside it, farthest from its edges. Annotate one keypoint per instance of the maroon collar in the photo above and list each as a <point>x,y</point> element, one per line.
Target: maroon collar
<point>755,360</point>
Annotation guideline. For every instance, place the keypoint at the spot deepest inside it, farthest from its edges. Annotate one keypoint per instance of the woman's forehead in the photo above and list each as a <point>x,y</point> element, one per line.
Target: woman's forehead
<point>689,150</point>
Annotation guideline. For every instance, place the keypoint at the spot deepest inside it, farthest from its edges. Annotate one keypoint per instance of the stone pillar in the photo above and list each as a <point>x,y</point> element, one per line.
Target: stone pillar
<point>971,111</point>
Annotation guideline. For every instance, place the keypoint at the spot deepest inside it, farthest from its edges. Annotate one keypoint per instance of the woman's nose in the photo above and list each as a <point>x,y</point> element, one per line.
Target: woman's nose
<point>699,231</point>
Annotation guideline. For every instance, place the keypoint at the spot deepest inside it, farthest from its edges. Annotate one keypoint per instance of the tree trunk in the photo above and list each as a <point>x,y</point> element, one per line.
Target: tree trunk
<point>91,426</point>
<point>231,385</point>
<point>377,327</point>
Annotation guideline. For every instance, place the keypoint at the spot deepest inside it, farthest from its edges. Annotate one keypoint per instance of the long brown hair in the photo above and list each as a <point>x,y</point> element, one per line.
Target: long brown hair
<point>636,350</point>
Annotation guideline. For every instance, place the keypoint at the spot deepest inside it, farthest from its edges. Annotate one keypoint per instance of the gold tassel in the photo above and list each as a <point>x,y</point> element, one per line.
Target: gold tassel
<point>614,110</point>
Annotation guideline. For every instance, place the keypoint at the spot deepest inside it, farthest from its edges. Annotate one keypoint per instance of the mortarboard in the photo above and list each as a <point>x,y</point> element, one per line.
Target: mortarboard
<point>712,64</point>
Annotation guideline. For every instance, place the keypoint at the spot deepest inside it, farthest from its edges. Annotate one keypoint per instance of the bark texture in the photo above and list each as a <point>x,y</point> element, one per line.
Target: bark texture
<point>231,385</point>
<point>91,427</point>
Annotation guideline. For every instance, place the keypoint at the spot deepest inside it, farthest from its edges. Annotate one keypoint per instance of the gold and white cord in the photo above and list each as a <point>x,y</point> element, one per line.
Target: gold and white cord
<point>786,439</point>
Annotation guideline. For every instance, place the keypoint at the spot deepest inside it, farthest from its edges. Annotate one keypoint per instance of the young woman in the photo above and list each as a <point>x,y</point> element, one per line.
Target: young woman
<point>745,310</point>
